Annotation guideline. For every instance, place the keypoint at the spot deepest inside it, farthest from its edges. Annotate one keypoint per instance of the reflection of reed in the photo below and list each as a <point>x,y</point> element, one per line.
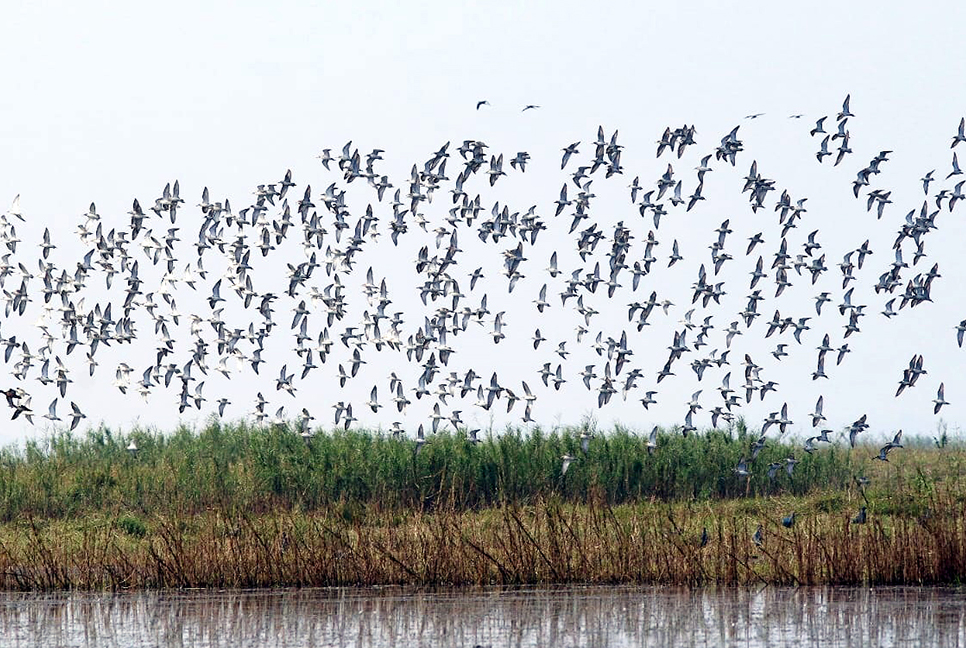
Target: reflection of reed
<point>584,616</point>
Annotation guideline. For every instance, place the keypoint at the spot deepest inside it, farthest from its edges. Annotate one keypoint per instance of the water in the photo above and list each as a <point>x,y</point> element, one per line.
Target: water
<point>558,617</point>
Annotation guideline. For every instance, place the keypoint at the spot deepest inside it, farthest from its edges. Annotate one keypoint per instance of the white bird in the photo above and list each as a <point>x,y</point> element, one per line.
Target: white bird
<point>52,411</point>
<point>567,460</point>
<point>15,206</point>
<point>651,444</point>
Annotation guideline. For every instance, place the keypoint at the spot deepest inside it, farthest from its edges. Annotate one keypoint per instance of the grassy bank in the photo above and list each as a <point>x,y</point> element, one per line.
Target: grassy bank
<point>234,506</point>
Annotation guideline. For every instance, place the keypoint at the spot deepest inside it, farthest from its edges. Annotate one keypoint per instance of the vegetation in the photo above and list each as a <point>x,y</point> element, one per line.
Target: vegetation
<point>236,506</point>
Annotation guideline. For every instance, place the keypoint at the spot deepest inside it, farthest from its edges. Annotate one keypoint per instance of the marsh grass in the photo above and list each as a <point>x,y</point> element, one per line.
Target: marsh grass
<point>547,541</point>
<point>268,469</point>
<point>238,506</point>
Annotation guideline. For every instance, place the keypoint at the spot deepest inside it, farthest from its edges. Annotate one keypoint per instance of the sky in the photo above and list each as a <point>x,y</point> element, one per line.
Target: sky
<point>108,102</point>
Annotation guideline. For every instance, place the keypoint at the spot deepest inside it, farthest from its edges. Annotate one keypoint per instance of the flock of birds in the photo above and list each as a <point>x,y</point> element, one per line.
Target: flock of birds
<point>145,274</point>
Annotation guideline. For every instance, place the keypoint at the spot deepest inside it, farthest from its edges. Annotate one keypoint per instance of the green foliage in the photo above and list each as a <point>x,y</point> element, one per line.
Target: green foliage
<point>238,467</point>
<point>132,526</point>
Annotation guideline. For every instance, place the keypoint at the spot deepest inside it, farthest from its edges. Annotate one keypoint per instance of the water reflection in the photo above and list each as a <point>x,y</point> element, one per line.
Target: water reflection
<point>569,616</point>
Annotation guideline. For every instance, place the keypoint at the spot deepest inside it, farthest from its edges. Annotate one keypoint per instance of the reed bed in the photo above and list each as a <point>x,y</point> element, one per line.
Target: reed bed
<point>237,506</point>
<point>549,541</point>
<point>262,470</point>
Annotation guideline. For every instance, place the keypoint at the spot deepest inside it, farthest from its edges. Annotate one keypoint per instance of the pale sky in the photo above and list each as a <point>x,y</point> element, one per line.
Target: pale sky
<point>108,102</point>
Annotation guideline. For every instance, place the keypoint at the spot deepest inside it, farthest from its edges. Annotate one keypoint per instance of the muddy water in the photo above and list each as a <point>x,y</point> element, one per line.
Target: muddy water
<point>558,617</point>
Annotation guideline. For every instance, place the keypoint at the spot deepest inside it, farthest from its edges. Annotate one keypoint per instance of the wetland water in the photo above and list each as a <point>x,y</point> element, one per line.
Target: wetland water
<point>558,617</point>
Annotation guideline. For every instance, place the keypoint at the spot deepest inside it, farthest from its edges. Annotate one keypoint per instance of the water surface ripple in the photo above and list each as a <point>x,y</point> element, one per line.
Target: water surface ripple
<point>559,617</point>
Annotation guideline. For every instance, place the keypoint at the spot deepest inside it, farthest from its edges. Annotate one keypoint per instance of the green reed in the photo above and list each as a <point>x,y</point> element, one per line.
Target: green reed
<point>262,469</point>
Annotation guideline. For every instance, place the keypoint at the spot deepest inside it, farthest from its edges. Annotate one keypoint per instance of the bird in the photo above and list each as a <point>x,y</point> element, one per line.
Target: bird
<point>567,460</point>
<point>845,112</point>
<point>421,440</point>
<point>325,248</point>
<point>940,399</point>
<point>956,171</point>
<point>742,469</point>
<point>960,136</point>
<point>757,537</point>
<point>567,152</point>
<point>817,417</point>
<point>52,411</point>
<point>76,415</point>
<point>18,214</point>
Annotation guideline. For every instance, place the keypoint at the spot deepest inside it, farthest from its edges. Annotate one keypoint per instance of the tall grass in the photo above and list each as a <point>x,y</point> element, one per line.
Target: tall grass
<point>269,469</point>
<point>548,541</point>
